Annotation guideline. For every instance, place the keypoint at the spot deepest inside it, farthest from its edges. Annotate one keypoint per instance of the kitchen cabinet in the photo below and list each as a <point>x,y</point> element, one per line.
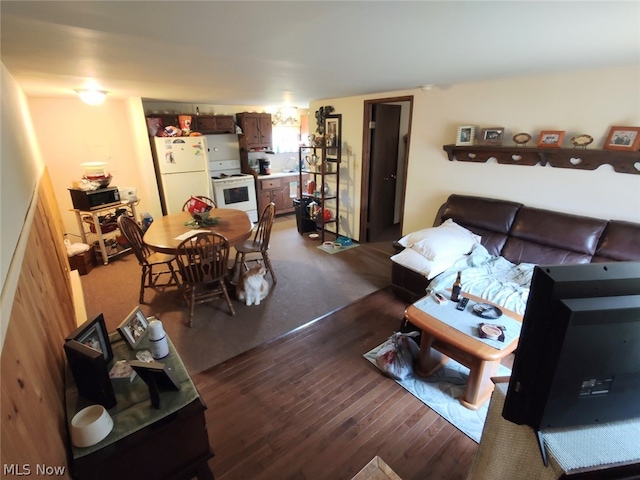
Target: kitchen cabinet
<point>256,128</point>
<point>205,124</point>
<point>323,168</point>
<point>281,190</point>
<point>208,124</point>
<point>271,191</point>
<point>99,228</point>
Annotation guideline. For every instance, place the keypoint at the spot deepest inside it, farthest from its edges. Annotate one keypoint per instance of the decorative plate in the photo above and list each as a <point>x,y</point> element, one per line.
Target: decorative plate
<point>521,138</point>
<point>486,310</point>
<point>581,140</point>
<point>490,331</point>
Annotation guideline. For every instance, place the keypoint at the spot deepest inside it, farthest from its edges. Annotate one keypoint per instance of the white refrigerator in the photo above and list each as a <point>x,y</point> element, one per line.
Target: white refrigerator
<point>182,170</point>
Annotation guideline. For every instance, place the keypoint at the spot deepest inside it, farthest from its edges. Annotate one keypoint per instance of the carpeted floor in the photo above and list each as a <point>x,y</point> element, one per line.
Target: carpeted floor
<point>310,284</point>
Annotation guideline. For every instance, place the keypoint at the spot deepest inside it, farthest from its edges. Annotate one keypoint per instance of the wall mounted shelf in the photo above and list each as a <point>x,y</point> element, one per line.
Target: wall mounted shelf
<point>578,158</point>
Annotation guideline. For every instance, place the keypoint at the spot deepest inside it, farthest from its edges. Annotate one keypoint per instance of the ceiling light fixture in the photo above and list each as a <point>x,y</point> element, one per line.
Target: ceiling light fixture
<point>92,97</point>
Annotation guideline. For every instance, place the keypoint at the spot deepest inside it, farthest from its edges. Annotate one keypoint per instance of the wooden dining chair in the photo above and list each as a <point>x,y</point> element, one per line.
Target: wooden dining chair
<point>203,265</point>
<point>147,258</point>
<point>207,200</point>
<point>260,243</point>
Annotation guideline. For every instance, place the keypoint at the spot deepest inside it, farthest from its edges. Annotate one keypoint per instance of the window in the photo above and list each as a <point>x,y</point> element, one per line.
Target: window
<point>286,138</point>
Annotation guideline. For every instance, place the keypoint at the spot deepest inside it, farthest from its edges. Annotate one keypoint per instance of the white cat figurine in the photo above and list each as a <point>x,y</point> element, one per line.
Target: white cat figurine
<point>252,287</point>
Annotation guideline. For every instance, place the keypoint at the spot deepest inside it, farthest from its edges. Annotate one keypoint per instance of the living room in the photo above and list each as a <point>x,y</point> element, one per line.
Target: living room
<point>585,101</point>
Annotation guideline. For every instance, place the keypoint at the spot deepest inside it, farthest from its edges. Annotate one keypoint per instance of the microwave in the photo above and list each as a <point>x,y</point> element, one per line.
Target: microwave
<point>94,199</point>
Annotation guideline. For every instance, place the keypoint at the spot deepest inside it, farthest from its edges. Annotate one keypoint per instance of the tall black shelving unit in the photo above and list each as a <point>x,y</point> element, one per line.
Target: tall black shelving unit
<point>322,163</point>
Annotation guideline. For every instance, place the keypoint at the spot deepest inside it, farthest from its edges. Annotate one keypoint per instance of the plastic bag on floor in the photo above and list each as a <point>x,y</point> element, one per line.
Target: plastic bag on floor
<point>75,248</point>
<point>397,355</point>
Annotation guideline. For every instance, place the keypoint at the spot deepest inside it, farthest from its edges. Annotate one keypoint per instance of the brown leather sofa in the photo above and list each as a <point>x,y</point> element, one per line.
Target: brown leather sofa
<point>525,234</point>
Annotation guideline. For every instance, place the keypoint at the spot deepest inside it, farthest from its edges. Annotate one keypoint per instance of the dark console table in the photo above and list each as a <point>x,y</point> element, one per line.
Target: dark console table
<point>166,443</point>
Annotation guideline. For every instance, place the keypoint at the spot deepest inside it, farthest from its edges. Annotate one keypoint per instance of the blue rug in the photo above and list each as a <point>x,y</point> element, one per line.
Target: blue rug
<point>333,250</point>
<point>440,392</point>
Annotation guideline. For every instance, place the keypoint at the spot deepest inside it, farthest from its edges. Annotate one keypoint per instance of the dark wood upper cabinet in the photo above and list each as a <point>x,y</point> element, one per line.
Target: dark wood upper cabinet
<point>213,124</point>
<point>205,124</point>
<point>256,128</point>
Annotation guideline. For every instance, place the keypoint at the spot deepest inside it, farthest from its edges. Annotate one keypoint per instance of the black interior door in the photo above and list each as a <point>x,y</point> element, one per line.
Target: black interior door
<point>385,138</point>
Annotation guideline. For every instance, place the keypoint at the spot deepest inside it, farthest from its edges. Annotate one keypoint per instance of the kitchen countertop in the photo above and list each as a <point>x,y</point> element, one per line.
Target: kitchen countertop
<point>279,174</point>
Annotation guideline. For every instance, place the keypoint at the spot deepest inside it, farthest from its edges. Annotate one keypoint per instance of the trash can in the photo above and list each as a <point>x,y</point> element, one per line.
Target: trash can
<point>304,223</point>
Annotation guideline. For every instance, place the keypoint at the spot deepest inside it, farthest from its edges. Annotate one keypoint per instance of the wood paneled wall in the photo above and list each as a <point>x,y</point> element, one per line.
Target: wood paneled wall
<point>33,427</point>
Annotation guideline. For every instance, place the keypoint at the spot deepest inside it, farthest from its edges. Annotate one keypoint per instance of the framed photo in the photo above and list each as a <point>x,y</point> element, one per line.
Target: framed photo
<point>89,369</point>
<point>158,377</point>
<point>551,138</point>
<point>93,334</point>
<point>623,138</point>
<point>333,134</point>
<point>134,328</point>
<point>466,135</point>
<point>492,136</point>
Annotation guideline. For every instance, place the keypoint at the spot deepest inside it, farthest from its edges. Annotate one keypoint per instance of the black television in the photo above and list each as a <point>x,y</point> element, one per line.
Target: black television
<point>578,357</point>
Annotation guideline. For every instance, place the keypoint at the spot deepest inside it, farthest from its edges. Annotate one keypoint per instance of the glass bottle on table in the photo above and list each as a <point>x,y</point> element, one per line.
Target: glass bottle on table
<point>456,291</point>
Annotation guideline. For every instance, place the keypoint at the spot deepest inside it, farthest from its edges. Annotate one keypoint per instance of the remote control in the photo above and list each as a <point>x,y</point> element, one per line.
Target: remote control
<point>462,303</point>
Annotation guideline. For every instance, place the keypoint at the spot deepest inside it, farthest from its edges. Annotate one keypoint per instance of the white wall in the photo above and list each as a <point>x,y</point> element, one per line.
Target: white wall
<point>584,102</point>
<point>70,133</point>
<point>20,169</point>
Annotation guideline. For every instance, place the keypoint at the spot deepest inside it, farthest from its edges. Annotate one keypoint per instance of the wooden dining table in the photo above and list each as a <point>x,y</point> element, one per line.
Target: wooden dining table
<point>164,234</point>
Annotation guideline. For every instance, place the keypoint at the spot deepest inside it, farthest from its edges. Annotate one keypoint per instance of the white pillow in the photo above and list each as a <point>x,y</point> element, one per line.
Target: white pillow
<point>417,262</point>
<point>445,241</point>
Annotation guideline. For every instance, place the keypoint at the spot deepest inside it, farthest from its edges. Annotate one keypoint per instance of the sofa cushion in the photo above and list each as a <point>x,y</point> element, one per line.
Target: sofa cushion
<point>619,242</point>
<point>489,218</point>
<point>416,261</point>
<point>546,237</point>
<point>445,241</point>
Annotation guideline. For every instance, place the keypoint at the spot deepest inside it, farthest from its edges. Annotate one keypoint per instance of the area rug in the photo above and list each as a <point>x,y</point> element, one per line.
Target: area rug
<point>440,392</point>
<point>332,250</point>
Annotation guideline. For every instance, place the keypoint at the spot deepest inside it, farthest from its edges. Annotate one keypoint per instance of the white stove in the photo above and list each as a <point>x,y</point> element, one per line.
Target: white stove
<point>232,188</point>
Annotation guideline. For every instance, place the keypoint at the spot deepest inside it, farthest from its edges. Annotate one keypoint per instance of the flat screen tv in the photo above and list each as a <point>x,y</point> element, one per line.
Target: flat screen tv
<point>578,357</point>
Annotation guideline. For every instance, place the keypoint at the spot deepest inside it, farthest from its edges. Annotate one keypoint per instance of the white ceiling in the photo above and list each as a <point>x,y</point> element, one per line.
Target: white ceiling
<point>293,52</point>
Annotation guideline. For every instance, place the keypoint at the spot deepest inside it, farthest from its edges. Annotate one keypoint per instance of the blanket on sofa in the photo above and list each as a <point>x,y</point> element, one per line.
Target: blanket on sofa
<point>493,278</point>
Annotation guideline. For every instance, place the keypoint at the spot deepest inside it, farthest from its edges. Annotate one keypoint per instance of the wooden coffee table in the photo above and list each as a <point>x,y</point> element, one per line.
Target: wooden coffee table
<point>441,342</point>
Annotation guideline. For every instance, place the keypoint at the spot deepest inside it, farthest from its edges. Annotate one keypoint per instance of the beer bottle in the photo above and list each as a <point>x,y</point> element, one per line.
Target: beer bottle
<point>457,289</point>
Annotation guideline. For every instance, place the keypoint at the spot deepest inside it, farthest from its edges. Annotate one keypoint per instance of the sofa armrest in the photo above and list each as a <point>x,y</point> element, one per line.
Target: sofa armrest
<point>397,247</point>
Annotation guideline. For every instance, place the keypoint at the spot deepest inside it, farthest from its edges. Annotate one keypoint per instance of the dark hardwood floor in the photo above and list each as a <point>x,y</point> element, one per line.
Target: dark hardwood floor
<point>309,406</point>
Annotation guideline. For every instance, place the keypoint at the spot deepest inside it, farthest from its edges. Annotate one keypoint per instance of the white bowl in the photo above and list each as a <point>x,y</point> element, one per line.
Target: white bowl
<point>90,426</point>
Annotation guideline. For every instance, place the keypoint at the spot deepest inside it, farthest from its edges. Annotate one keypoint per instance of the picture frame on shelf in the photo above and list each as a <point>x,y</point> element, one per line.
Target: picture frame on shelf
<point>492,136</point>
<point>158,377</point>
<point>466,135</point>
<point>550,138</point>
<point>623,138</point>
<point>89,369</point>
<point>333,134</point>
<point>134,328</point>
<point>93,334</point>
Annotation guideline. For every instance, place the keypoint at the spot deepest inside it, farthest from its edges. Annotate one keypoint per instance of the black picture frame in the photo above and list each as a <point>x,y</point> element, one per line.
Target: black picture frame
<point>333,134</point>
<point>89,369</point>
<point>134,327</point>
<point>93,334</point>
<point>158,377</point>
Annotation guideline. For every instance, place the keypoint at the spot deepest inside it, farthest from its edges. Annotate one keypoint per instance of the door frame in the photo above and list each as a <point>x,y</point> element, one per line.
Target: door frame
<point>365,181</point>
